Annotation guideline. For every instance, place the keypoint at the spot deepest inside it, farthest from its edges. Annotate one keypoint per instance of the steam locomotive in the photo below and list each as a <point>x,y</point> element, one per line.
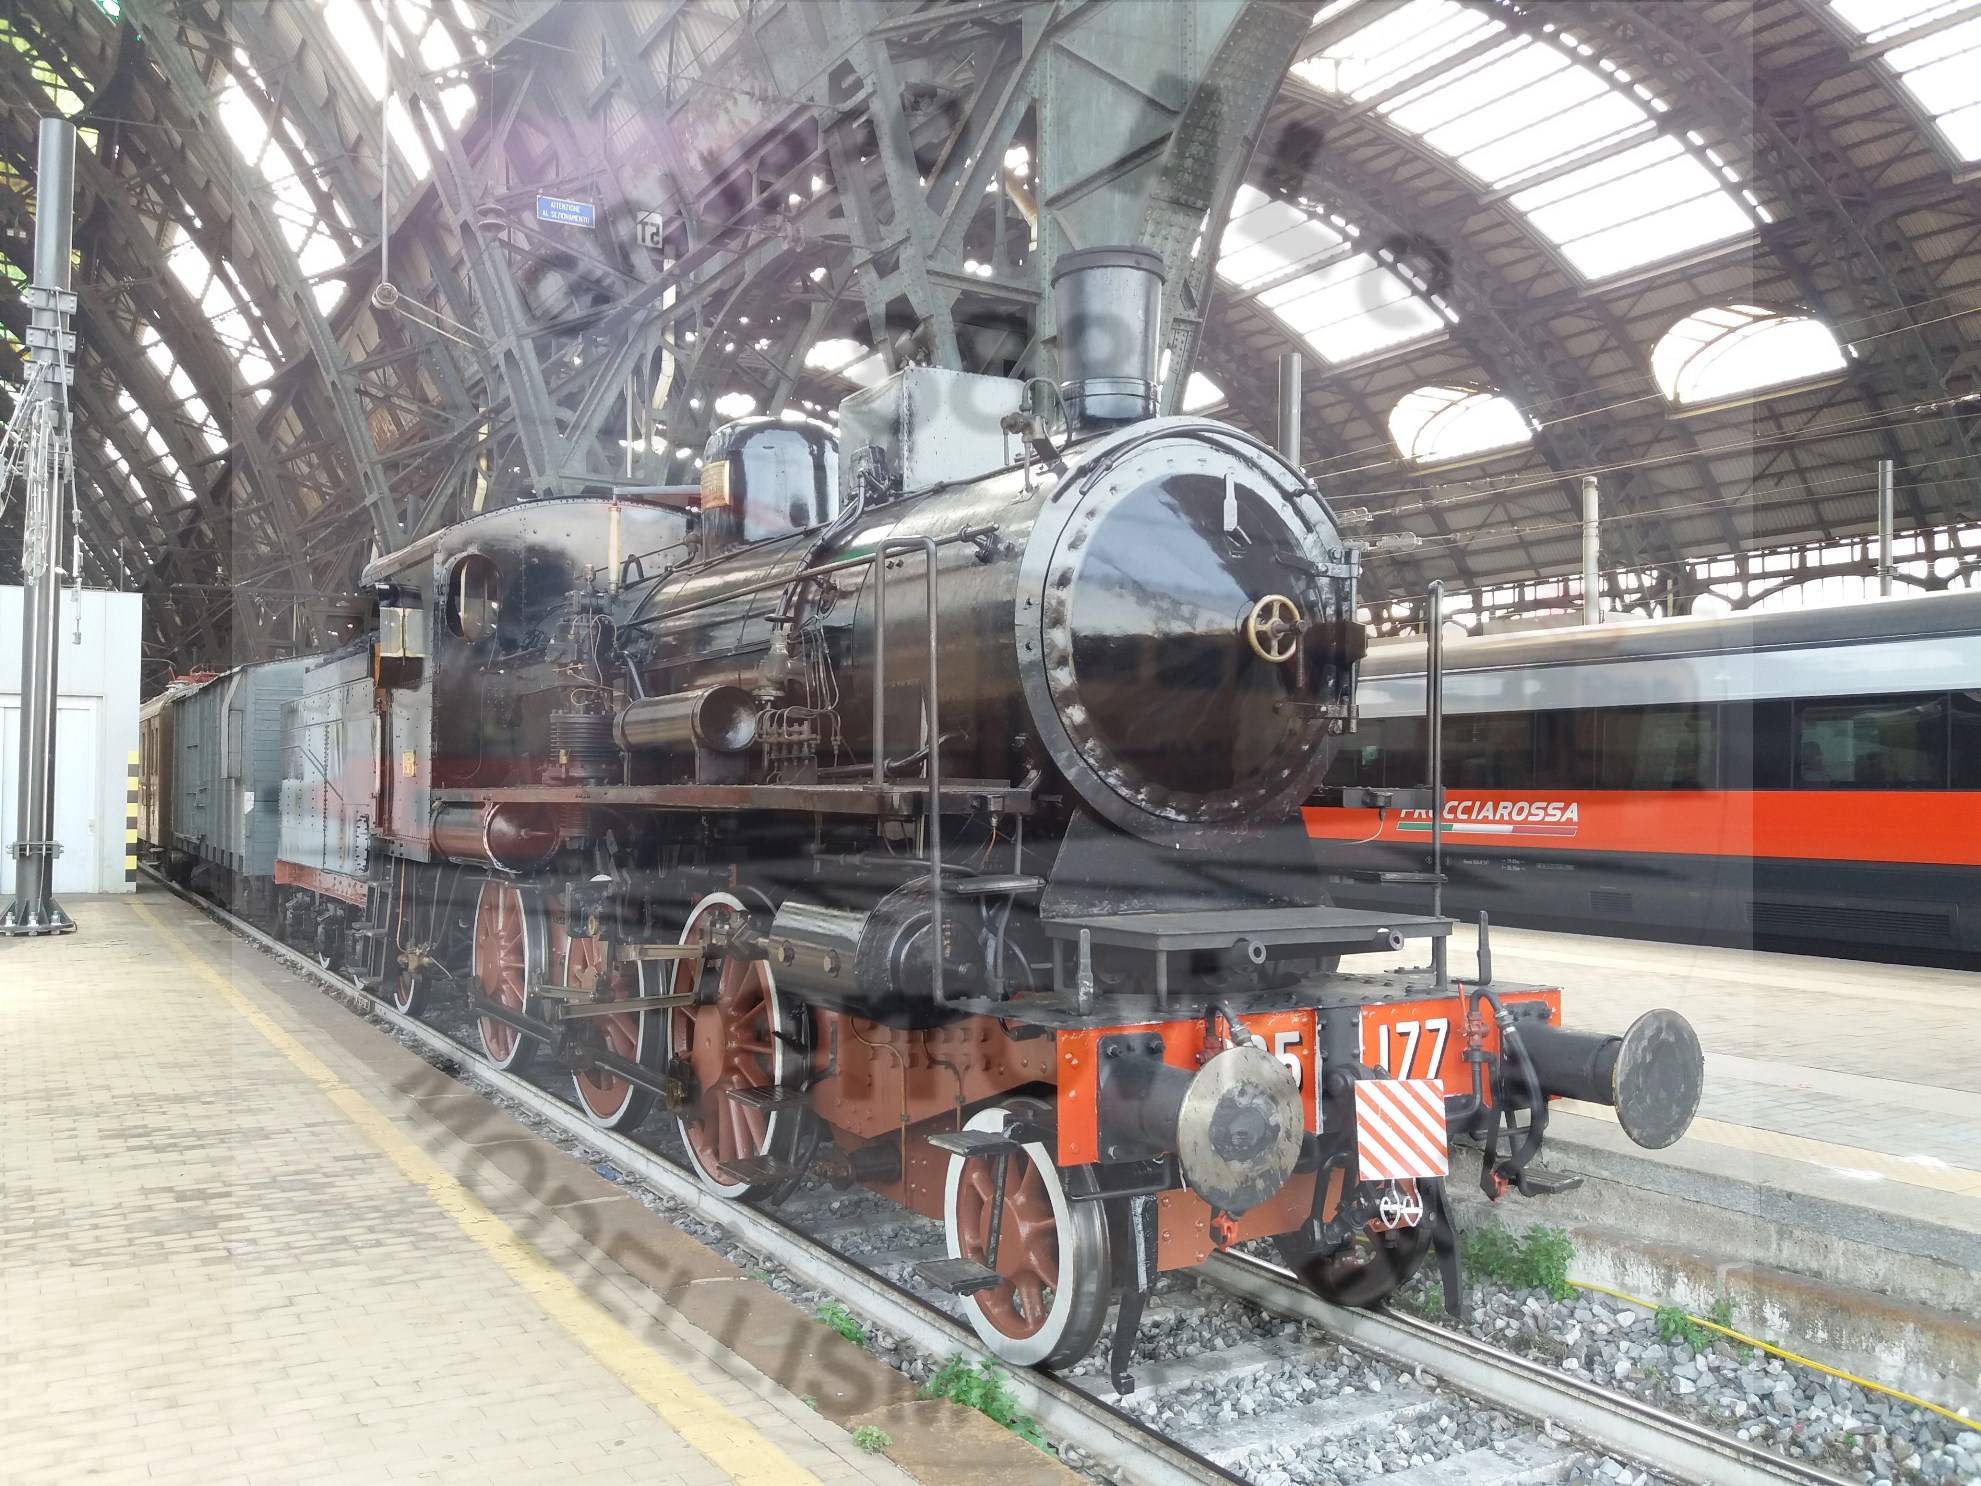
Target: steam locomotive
<point>919,808</point>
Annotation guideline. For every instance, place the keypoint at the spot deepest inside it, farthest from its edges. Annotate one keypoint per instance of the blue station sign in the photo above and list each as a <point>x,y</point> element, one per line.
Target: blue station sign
<point>569,213</point>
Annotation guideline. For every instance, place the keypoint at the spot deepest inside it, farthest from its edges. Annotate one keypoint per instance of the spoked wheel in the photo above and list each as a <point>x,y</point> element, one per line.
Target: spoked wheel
<point>736,1042</point>
<point>1051,1253</point>
<point>1366,1270</point>
<point>410,994</point>
<point>609,1101</point>
<point>509,956</point>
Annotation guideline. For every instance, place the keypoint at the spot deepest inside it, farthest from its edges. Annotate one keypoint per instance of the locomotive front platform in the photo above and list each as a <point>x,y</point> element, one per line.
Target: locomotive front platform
<point>249,1239</point>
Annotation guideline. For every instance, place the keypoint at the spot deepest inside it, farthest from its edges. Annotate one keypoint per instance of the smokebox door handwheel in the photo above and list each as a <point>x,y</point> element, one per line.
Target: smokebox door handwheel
<point>1272,628</point>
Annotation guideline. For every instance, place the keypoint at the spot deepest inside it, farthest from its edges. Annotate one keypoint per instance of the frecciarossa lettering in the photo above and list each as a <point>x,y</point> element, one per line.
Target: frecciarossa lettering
<point>1563,811</point>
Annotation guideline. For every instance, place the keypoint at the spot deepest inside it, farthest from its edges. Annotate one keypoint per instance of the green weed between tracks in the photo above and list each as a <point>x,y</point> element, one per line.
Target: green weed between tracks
<point>982,1387</point>
<point>1537,1260</point>
<point>1675,1324</point>
<point>841,1320</point>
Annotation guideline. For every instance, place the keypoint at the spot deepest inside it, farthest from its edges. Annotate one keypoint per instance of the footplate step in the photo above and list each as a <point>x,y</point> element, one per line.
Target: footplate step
<point>958,1276</point>
<point>758,1171</point>
<point>1538,1181</point>
<point>982,1144</point>
<point>768,1100</point>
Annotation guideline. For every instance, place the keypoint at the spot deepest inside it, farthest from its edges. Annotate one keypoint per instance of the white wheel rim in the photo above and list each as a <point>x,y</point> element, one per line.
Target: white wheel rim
<point>1022,1351</point>
<point>610,1119</point>
<point>533,953</point>
<point>725,1186</point>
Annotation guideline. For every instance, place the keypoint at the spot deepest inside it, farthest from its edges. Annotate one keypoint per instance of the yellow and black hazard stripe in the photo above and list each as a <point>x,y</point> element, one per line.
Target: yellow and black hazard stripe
<point>131,819</point>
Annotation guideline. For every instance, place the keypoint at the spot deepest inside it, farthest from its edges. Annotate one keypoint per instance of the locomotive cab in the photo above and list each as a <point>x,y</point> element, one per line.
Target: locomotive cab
<point>764,478</point>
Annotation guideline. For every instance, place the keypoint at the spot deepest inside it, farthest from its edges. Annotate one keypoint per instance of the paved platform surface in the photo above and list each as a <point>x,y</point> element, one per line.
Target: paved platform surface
<point>1841,1122</point>
<point>245,1237</point>
<point>1862,1073</point>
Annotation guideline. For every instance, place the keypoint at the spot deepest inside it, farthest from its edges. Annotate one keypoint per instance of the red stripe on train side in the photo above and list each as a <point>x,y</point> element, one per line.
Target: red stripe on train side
<point>1927,826</point>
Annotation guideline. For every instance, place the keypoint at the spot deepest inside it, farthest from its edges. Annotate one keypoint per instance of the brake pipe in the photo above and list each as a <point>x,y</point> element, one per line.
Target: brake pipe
<point>1962,1420</point>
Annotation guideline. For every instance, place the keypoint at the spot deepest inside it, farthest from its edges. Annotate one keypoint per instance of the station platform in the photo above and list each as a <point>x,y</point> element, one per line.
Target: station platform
<point>1830,1188</point>
<point>246,1237</point>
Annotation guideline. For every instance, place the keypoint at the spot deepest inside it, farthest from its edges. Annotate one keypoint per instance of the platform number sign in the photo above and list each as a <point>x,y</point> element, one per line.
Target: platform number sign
<point>649,229</point>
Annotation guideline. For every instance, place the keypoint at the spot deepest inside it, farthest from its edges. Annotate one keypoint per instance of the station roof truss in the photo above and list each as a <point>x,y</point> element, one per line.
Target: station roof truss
<point>352,269</point>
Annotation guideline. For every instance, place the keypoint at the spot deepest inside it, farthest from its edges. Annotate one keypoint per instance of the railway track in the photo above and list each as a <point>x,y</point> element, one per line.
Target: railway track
<point>1222,1406</point>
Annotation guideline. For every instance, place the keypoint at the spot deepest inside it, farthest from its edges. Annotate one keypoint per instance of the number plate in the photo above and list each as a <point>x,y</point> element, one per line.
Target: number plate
<point>1426,1039</point>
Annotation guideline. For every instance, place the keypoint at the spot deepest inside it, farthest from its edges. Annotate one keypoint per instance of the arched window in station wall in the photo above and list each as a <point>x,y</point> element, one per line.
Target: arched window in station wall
<point>1433,425</point>
<point>1730,350</point>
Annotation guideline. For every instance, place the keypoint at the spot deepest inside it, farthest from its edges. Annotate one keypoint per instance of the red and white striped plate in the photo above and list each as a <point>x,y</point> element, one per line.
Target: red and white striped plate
<point>1400,1129</point>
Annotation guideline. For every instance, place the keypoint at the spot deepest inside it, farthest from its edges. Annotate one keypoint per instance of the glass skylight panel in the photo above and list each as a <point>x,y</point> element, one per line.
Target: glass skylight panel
<point>1882,20</point>
<point>1944,73</point>
<point>1342,304</point>
<point>1267,239</point>
<point>1350,308</point>
<point>1940,68</point>
<point>1434,424</point>
<point>1532,110</point>
<point>1650,202</point>
<point>1395,47</point>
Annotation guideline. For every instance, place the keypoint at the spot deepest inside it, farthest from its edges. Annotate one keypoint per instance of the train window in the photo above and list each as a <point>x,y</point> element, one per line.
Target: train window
<point>1405,765</point>
<point>1492,750</point>
<point>1360,759</point>
<point>1872,743</point>
<point>1565,749</point>
<point>1966,752</point>
<point>1754,745</point>
<point>1657,748</point>
<point>474,601</point>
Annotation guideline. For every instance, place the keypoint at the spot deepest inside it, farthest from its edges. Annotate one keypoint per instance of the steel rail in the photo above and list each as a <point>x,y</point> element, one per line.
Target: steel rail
<point>1063,1411</point>
<point>1669,1443</point>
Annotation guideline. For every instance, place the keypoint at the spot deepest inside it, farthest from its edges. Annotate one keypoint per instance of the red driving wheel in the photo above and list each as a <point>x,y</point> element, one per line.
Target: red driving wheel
<point>609,1101</point>
<point>1052,1254</point>
<point>508,948</point>
<point>732,1042</point>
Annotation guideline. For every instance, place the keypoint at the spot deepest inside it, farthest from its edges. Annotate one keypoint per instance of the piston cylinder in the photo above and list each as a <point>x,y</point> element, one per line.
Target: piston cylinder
<point>873,961</point>
<point>718,719</point>
<point>512,837</point>
<point>1652,1075</point>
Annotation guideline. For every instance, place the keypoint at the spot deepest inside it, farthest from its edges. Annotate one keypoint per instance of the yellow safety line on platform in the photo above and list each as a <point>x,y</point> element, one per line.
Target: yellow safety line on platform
<point>1846,1160</point>
<point>726,1438</point>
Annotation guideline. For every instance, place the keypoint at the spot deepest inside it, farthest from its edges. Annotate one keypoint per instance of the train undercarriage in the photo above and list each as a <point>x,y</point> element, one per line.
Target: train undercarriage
<point>1074,1147</point>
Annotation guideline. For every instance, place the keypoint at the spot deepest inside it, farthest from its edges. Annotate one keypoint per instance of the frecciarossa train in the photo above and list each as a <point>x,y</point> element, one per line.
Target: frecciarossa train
<point>919,809</point>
